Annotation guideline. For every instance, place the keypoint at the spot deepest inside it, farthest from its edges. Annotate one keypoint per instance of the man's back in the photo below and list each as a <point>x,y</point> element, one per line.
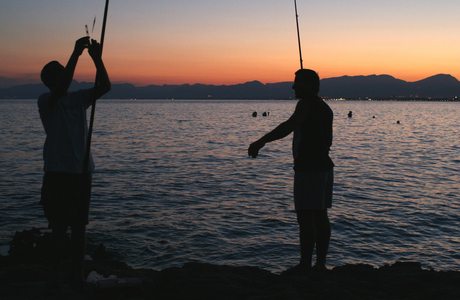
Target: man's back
<point>66,131</point>
<point>313,139</point>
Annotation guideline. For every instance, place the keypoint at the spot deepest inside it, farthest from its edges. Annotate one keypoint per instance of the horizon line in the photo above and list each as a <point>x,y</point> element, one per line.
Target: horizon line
<point>223,84</point>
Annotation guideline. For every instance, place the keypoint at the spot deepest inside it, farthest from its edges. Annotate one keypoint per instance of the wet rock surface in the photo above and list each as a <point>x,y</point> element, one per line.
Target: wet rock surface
<point>25,274</point>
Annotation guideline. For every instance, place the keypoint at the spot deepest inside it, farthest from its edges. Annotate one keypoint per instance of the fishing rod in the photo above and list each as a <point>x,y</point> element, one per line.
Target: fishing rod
<point>93,107</point>
<point>298,33</point>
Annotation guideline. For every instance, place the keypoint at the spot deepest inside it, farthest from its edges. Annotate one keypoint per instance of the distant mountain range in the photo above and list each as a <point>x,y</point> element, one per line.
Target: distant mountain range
<point>440,86</point>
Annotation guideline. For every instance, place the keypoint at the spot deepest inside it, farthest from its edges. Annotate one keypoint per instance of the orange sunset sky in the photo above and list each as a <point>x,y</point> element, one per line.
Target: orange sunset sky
<point>229,42</point>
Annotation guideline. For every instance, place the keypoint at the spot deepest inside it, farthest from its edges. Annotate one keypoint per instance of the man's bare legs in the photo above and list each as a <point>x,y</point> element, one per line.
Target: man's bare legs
<point>78,253</point>
<point>314,228</point>
<point>305,219</point>
<point>57,250</point>
<point>323,237</point>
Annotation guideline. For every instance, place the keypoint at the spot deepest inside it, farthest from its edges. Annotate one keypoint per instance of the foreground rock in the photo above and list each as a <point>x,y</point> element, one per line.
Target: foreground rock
<point>26,277</point>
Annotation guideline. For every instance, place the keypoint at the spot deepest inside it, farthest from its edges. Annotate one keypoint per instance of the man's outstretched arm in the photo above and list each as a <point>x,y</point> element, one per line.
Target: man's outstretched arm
<point>281,131</point>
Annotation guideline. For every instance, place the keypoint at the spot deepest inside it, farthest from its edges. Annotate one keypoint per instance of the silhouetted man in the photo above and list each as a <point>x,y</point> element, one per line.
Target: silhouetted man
<point>313,179</point>
<point>66,192</point>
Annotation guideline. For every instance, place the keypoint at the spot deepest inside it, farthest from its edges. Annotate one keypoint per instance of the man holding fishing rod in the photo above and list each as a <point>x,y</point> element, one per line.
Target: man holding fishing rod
<point>66,191</point>
<point>311,123</point>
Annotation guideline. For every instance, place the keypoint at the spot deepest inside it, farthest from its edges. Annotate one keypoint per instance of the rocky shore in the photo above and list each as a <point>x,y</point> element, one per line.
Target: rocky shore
<point>25,274</point>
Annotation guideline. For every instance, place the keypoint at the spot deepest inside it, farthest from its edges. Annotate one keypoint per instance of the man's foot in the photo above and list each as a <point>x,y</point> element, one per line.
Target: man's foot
<point>319,268</point>
<point>79,285</point>
<point>55,289</point>
<point>318,271</point>
<point>299,270</point>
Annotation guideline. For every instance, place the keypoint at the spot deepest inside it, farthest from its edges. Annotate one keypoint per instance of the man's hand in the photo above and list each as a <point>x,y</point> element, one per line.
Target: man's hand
<point>81,44</point>
<point>254,148</point>
<point>94,50</point>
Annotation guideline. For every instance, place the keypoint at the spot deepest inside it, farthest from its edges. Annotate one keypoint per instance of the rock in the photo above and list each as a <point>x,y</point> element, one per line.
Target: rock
<point>21,278</point>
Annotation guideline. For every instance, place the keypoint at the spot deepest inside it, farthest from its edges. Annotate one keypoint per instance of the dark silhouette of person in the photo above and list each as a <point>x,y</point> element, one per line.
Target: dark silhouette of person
<point>311,123</point>
<point>66,192</point>
<point>350,114</point>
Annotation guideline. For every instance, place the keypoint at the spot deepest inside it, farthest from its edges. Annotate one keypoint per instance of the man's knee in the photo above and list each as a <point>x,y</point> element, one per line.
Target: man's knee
<point>321,214</point>
<point>305,217</point>
<point>59,231</point>
<point>322,220</point>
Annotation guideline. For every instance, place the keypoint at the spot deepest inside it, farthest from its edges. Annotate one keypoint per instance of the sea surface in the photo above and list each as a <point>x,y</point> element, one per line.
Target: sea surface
<point>174,183</point>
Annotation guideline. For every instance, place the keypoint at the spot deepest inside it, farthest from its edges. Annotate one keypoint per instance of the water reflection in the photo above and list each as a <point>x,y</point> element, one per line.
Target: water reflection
<point>173,182</point>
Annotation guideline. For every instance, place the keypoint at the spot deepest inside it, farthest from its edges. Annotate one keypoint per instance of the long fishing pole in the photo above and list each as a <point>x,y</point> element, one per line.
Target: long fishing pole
<point>298,33</point>
<point>93,108</point>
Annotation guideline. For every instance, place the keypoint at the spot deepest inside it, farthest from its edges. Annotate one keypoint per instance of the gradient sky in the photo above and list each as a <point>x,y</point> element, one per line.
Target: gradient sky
<point>229,42</point>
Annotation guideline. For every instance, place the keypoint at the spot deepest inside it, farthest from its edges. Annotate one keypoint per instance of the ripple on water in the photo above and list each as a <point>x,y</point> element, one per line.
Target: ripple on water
<point>174,183</point>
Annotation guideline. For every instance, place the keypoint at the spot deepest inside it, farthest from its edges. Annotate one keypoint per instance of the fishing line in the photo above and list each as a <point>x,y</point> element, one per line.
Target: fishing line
<point>94,22</point>
<point>92,29</point>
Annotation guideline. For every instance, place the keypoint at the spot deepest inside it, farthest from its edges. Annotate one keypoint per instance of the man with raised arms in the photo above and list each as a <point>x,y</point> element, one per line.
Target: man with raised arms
<point>66,191</point>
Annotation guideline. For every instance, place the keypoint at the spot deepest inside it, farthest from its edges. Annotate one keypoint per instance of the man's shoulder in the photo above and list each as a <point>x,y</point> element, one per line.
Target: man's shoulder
<point>43,96</point>
<point>309,103</point>
<point>42,99</point>
<point>302,104</point>
<point>79,96</point>
<point>79,92</point>
<point>326,106</point>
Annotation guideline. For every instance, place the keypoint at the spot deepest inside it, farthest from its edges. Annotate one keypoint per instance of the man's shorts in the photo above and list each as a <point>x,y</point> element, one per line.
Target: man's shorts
<point>313,189</point>
<point>65,198</point>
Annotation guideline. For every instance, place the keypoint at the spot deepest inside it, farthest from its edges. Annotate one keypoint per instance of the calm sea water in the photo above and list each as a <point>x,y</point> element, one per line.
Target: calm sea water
<point>174,183</point>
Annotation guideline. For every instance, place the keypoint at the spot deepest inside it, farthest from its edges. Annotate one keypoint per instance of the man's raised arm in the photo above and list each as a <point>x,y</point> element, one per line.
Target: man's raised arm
<point>103,85</point>
<point>62,85</point>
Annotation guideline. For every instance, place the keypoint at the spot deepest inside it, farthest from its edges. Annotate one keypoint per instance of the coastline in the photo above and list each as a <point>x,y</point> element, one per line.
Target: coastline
<point>25,274</point>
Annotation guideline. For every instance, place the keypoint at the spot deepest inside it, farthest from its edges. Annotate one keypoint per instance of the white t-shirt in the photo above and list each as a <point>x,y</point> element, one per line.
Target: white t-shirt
<point>66,132</point>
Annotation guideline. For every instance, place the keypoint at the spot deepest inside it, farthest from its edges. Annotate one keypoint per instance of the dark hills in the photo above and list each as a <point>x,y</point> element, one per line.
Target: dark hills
<point>440,86</point>
<point>385,86</point>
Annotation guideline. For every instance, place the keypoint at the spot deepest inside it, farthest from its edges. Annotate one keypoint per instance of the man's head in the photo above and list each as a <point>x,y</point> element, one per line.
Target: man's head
<point>306,83</point>
<point>51,73</point>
